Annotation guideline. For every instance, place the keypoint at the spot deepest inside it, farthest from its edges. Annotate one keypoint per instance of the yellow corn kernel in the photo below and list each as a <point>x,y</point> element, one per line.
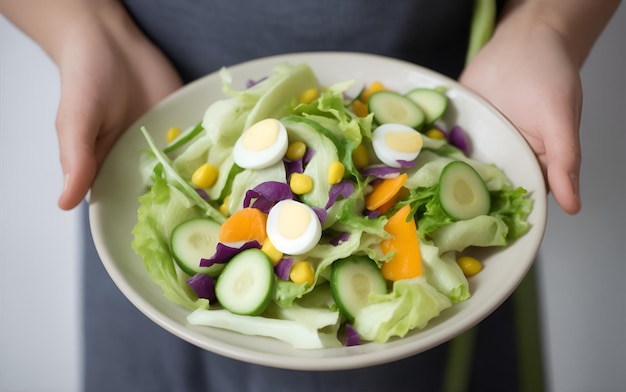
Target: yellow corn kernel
<point>295,150</point>
<point>302,272</point>
<point>360,108</point>
<point>374,87</point>
<point>309,95</point>
<point>336,170</point>
<point>360,156</point>
<point>300,183</point>
<point>172,134</point>
<point>224,207</point>
<point>435,133</point>
<point>469,265</point>
<point>205,176</point>
<point>274,254</point>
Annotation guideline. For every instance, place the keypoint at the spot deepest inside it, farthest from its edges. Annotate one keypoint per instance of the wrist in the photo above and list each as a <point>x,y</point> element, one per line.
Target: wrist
<point>576,23</point>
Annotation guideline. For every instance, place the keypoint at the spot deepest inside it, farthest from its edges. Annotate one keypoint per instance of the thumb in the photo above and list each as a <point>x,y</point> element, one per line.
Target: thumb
<point>77,130</point>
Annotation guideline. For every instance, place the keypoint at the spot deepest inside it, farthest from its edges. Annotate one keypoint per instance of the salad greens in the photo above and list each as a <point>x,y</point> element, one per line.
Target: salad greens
<point>305,315</point>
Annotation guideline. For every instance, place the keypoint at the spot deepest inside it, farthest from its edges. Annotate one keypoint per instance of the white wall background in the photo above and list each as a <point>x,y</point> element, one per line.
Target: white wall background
<point>582,261</point>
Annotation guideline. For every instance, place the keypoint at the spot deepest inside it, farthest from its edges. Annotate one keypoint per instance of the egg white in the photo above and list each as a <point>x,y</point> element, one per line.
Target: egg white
<point>305,241</point>
<point>259,159</point>
<point>384,152</point>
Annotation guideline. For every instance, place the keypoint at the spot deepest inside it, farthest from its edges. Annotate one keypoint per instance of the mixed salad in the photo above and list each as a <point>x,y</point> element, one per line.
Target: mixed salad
<point>297,212</point>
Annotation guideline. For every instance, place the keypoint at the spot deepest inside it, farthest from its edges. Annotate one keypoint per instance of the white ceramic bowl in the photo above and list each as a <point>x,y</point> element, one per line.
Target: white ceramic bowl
<point>113,212</point>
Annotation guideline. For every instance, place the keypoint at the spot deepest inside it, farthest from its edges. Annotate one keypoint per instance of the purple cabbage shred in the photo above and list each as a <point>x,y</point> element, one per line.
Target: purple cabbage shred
<point>457,138</point>
<point>308,155</point>
<point>406,164</point>
<point>266,194</point>
<point>321,213</point>
<point>204,286</point>
<point>291,167</point>
<point>223,253</point>
<point>343,237</point>
<point>352,336</point>
<point>251,83</point>
<point>202,194</point>
<point>283,268</point>
<point>373,214</point>
<point>343,189</point>
<point>380,171</point>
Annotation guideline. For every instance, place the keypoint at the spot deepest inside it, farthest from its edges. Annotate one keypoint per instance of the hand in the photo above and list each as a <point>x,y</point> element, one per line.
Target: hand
<point>110,75</point>
<point>533,80</point>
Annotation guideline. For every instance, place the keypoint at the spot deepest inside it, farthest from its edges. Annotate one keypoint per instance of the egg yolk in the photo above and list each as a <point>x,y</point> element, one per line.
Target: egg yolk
<point>293,220</point>
<point>407,142</point>
<point>261,135</point>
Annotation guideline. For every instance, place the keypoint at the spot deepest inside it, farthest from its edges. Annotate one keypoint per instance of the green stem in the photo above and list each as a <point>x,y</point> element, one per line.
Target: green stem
<point>481,29</point>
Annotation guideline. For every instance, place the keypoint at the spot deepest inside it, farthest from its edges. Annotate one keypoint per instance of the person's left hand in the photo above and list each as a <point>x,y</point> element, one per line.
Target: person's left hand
<point>531,78</point>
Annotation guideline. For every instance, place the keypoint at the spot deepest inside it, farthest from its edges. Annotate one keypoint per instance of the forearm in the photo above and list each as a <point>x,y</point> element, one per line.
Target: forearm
<point>53,23</point>
<point>578,23</point>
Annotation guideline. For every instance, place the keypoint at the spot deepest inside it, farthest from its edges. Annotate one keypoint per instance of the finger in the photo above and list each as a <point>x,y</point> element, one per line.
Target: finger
<point>77,127</point>
<point>563,158</point>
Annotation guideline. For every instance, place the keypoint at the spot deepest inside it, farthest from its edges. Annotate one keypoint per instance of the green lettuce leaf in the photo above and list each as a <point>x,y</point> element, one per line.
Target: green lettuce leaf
<point>443,273</point>
<point>411,304</point>
<point>161,209</point>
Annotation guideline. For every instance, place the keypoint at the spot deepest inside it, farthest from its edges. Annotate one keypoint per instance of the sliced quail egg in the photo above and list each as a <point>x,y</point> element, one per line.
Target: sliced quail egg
<point>394,143</point>
<point>262,145</point>
<point>293,227</point>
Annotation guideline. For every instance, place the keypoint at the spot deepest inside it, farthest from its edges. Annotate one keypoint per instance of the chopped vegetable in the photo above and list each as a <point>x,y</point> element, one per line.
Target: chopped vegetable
<point>302,272</point>
<point>360,156</point>
<point>462,192</point>
<point>266,194</point>
<point>193,240</point>
<point>392,107</point>
<point>246,283</point>
<point>300,183</point>
<point>352,336</point>
<point>457,138</point>
<point>247,224</point>
<point>172,134</point>
<point>309,95</point>
<point>360,108</point>
<point>469,265</point>
<point>352,280</point>
<point>435,133</point>
<point>384,190</point>
<point>204,286</point>
<point>433,103</point>
<point>293,332</point>
<point>205,176</point>
<point>295,151</point>
<point>270,250</point>
<point>371,89</point>
<point>223,253</point>
<point>406,262</point>
<point>283,267</point>
<point>336,171</point>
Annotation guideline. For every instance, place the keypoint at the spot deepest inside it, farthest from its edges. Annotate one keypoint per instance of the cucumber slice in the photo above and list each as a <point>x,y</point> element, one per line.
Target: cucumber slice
<point>432,102</point>
<point>246,283</point>
<point>192,240</point>
<point>462,192</point>
<point>351,282</point>
<point>392,107</point>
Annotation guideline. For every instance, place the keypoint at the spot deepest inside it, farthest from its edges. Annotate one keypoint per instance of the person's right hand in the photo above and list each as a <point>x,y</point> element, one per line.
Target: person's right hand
<point>110,75</point>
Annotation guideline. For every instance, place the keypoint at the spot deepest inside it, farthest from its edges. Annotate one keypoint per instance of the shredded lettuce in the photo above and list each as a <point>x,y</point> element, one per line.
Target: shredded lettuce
<point>411,304</point>
<point>293,332</point>
<point>162,209</point>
